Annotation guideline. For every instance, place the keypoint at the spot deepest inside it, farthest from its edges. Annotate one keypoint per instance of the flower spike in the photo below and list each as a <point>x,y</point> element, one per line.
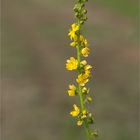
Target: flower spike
<point>79,64</point>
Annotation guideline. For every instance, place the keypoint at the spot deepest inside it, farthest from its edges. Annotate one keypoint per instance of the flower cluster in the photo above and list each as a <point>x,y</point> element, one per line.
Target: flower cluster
<point>80,43</point>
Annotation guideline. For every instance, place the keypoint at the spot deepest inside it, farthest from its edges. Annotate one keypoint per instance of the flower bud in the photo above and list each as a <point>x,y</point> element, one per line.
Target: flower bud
<point>82,5</point>
<point>95,133</point>
<point>75,9</point>
<point>81,22</point>
<point>84,11</point>
<point>85,18</point>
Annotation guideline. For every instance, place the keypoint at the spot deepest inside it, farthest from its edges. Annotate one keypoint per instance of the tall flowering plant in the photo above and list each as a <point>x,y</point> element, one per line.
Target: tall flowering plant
<point>79,42</point>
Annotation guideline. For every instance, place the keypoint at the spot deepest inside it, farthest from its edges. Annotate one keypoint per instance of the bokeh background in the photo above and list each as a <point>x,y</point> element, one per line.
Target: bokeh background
<point>34,100</point>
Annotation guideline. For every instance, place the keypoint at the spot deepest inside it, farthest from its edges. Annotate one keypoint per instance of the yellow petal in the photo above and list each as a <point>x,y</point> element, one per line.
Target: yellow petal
<point>73,44</point>
<point>87,67</point>
<point>71,93</point>
<point>71,64</point>
<point>85,52</point>
<point>84,62</point>
<point>76,111</point>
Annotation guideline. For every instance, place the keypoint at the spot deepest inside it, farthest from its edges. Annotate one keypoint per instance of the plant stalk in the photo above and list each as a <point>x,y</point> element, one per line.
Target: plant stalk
<point>80,89</point>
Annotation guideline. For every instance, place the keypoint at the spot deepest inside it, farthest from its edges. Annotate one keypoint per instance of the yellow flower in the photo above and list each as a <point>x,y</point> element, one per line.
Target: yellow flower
<point>87,67</point>
<point>87,70</point>
<point>84,62</point>
<point>71,64</point>
<point>72,90</point>
<point>83,41</point>
<point>75,27</point>
<point>82,38</point>
<point>76,111</point>
<point>72,32</point>
<point>82,79</point>
<point>79,123</point>
<point>85,52</point>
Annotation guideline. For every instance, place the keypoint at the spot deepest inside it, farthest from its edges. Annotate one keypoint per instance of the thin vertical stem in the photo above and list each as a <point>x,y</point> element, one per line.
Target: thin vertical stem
<point>80,88</point>
<point>88,130</point>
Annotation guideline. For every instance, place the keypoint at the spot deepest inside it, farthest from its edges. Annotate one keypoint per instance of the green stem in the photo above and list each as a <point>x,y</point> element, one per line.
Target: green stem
<point>80,89</point>
<point>88,130</point>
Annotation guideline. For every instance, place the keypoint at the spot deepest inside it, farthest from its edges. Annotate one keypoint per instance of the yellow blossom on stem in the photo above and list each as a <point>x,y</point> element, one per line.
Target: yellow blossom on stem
<point>85,52</point>
<point>83,41</point>
<point>82,79</point>
<point>80,43</point>
<point>87,67</point>
<point>72,90</point>
<point>84,62</point>
<point>72,32</point>
<point>82,38</point>
<point>87,70</point>
<point>72,64</point>
<point>76,111</point>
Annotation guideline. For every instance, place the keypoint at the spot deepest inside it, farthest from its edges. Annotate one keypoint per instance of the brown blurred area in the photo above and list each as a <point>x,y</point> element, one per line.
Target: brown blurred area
<point>34,81</point>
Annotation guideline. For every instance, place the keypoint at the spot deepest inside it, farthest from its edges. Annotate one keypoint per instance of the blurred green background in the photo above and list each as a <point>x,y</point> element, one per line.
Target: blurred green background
<point>35,104</point>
